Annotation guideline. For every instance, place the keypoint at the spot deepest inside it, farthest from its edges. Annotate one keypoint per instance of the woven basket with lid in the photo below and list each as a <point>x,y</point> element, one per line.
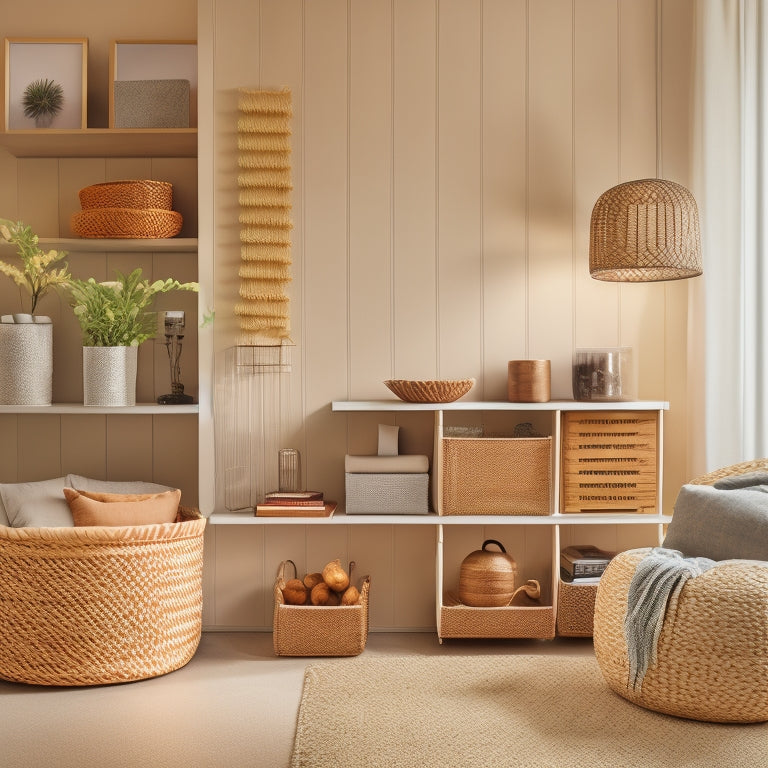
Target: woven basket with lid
<point>133,193</point>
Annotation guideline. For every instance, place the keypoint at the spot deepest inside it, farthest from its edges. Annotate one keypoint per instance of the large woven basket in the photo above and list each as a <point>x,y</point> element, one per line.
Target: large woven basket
<point>96,605</point>
<point>134,193</point>
<point>148,223</point>
<point>310,630</point>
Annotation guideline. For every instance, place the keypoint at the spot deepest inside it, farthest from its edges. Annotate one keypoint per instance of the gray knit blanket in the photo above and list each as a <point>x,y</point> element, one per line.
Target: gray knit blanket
<point>658,578</point>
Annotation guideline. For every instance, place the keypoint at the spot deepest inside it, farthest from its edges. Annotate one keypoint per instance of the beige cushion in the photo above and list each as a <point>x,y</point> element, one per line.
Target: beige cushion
<point>123,509</point>
<point>38,504</point>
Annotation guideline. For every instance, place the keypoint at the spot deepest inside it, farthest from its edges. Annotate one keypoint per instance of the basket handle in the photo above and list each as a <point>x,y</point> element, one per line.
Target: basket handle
<point>497,543</point>
<point>281,570</point>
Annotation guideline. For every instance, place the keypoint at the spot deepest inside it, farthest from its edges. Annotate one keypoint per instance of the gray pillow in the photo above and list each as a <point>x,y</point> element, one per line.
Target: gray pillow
<point>3,514</point>
<point>80,483</point>
<point>720,524</point>
<point>39,504</point>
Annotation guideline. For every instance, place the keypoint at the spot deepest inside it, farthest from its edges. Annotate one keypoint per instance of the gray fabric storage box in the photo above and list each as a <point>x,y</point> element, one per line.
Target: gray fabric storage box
<point>387,493</point>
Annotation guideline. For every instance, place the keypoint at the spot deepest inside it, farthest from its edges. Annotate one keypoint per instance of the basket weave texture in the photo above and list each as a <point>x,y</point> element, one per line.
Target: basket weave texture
<point>712,659</point>
<point>496,476</point>
<point>430,390</point>
<point>97,605</point>
<point>575,609</point>
<point>139,223</point>
<point>310,630</point>
<point>135,193</point>
<point>463,621</point>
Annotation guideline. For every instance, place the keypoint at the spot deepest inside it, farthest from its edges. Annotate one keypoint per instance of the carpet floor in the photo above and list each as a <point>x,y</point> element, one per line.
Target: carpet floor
<point>526,711</point>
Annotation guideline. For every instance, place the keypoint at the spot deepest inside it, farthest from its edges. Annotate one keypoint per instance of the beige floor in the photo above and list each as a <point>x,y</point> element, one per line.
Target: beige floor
<point>234,705</point>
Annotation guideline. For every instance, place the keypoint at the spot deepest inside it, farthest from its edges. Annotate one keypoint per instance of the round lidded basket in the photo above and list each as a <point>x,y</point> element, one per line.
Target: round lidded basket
<point>430,390</point>
<point>134,193</point>
<point>487,578</point>
<point>126,223</point>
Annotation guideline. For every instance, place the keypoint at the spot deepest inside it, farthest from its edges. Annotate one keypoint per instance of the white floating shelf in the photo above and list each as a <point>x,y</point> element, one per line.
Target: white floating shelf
<point>80,409</point>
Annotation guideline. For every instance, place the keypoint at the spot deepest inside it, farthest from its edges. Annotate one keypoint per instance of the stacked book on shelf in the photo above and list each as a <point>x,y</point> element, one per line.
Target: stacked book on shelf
<point>583,563</point>
<point>295,504</point>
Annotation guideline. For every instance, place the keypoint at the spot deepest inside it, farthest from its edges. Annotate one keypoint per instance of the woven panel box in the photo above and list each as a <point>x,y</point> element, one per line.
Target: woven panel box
<point>609,461</point>
<point>575,609</point>
<point>319,630</point>
<point>371,493</point>
<point>496,476</point>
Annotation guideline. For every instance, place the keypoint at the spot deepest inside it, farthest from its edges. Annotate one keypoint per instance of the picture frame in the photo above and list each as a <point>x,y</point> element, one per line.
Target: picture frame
<point>55,66</point>
<point>148,87</point>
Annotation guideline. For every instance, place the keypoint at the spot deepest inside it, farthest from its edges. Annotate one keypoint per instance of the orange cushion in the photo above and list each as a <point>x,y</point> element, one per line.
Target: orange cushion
<point>122,509</point>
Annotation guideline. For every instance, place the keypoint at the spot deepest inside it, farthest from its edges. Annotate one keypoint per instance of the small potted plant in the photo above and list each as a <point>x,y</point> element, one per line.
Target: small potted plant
<point>42,100</point>
<point>115,318</point>
<point>26,339</point>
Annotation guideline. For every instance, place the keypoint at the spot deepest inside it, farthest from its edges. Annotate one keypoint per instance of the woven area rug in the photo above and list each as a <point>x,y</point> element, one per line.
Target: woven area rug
<point>487,711</point>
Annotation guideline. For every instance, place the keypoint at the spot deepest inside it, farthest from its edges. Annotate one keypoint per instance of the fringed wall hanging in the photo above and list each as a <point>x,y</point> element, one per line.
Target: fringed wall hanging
<point>255,397</point>
<point>264,182</point>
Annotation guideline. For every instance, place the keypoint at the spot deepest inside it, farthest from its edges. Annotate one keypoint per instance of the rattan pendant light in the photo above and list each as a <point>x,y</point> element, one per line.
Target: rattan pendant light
<point>645,231</point>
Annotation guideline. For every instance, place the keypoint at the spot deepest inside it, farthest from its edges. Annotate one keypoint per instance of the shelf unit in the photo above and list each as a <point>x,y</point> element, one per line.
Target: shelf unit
<point>534,621</point>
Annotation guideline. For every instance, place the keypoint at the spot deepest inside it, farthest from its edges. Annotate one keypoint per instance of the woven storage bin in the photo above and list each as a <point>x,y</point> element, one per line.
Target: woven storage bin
<point>496,476</point>
<point>387,493</point>
<point>135,193</point>
<point>97,604</point>
<point>609,461</point>
<point>463,621</point>
<point>575,609</point>
<point>319,630</point>
<point>148,223</point>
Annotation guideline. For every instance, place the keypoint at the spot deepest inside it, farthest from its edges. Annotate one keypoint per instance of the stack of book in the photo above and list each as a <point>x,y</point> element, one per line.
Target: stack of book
<point>583,563</point>
<point>295,504</point>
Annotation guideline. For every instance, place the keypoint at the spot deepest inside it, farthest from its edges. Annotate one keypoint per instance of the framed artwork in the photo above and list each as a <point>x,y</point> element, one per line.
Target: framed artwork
<point>153,84</point>
<point>46,83</point>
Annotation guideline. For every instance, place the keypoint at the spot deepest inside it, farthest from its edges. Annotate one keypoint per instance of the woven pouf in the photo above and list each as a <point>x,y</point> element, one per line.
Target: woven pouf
<point>712,655</point>
<point>96,605</point>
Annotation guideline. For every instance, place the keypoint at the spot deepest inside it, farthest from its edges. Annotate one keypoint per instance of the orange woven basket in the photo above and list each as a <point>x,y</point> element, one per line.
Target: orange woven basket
<point>126,223</point>
<point>138,193</point>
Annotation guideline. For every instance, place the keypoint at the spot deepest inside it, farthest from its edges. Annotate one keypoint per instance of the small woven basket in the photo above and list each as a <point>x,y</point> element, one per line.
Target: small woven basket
<point>95,605</point>
<point>319,630</point>
<point>138,193</point>
<point>430,391</point>
<point>150,223</point>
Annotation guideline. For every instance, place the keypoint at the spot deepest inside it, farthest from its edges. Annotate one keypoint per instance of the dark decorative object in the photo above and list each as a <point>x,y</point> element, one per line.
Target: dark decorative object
<point>174,333</point>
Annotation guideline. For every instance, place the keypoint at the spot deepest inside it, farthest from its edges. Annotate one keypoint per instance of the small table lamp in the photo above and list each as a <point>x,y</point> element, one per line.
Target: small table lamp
<point>645,231</point>
<point>174,333</point>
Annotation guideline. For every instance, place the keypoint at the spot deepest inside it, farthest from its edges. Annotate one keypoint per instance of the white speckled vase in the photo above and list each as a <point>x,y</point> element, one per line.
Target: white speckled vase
<point>26,363</point>
<point>109,376</point>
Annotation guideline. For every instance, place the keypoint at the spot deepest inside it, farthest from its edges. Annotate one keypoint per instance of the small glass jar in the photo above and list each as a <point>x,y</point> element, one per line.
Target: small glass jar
<point>603,374</point>
<point>289,470</point>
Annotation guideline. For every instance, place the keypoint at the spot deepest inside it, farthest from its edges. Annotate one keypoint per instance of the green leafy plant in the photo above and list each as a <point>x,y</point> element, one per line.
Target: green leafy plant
<point>38,272</point>
<point>43,97</point>
<point>118,313</point>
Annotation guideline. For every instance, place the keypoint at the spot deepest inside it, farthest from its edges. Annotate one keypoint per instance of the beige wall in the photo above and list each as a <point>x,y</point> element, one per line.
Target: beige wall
<point>446,158</point>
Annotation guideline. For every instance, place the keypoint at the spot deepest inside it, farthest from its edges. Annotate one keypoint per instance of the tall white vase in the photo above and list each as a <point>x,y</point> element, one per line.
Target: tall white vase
<point>26,363</point>
<point>109,376</point>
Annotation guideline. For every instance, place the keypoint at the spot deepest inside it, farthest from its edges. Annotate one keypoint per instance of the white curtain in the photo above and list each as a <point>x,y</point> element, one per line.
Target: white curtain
<point>731,186</point>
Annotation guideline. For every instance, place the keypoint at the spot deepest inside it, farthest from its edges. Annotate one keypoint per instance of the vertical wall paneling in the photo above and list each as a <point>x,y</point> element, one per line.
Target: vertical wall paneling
<point>459,191</point>
<point>414,205</point>
<point>84,445</point>
<point>504,214</point>
<point>550,174</point>
<point>370,197</point>
<point>39,439</point>
<point>129,448</point>
<point>326,237</point>
<point>282,58</point>
<point>596,159</point>
<point>642,305</point>
<point>238,569</point>
<point>373,548</point>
